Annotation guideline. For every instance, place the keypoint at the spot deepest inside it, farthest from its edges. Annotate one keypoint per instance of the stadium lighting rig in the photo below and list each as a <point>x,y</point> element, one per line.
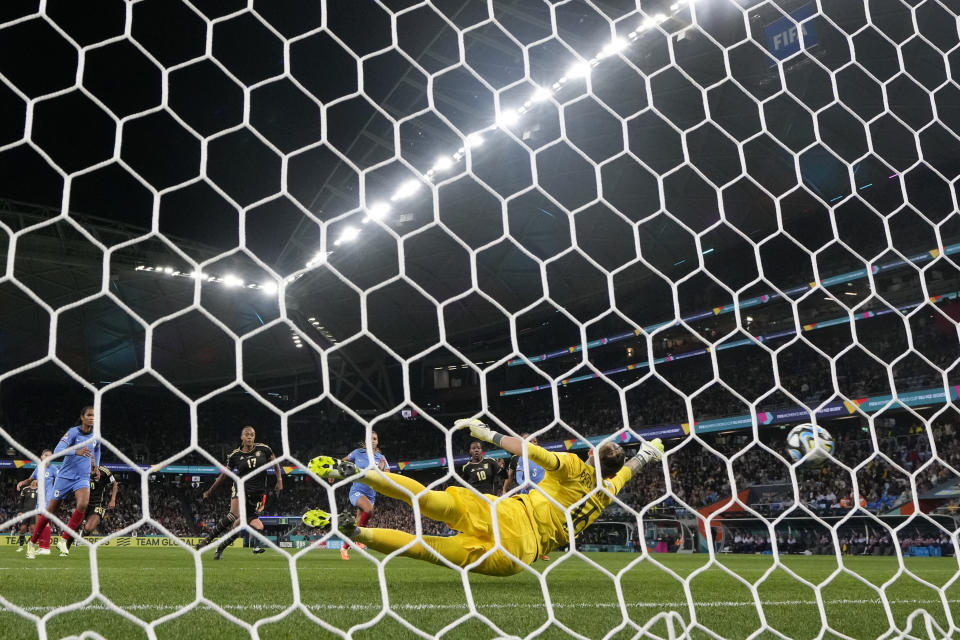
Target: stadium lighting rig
<point>505,118</point>
<point>442,165</point>
<point>228,280</point>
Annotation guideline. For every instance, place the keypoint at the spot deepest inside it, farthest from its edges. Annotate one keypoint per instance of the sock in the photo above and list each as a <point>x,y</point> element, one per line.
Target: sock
<point>255,542</point>
<point>22,540</point>
<point>222,525</point>
<point>41,522</point>
<point>75,521</point>
<point>363,519</point>
<point>45,536</point>
<point>226,541</point>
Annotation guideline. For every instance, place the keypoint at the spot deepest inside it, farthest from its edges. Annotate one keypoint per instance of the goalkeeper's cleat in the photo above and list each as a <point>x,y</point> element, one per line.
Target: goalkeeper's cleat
<point>31,550</point>
<point>327,467</point>
<point>217,555</point>
<point>20,548</point>
<point>257,550</point>
<point>316,518</point>
<point>651,451</point>
<point>348,526</point>
<point>43,552</point>
<point>62,546</point>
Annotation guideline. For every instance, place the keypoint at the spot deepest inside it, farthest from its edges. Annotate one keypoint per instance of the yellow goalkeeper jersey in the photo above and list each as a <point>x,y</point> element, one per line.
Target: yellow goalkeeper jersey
<point>568,479</point>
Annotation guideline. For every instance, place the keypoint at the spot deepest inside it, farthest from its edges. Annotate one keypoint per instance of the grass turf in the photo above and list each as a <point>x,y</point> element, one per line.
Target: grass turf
<point>154,583</point>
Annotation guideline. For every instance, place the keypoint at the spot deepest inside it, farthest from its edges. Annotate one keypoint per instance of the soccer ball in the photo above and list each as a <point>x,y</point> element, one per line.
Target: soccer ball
<point>807,438</point>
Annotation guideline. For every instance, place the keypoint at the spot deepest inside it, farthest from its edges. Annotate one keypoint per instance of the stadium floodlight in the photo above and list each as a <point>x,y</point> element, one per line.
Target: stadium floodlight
<point>269,287</point>
<point>443,163</point>
<point>406,190</point>
<point>168,271</point>
<point>378,210</point>
<point>579,70</point>
<point>349,234</point>
<point>541,94</point>
<point>508,117</point>
<point>231,280</point>
<point>613,47</point>
<point>474,140</point>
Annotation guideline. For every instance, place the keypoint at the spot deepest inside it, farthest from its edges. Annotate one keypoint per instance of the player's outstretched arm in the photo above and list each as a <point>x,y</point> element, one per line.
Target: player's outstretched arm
<point>649,451</point>
<point>510,444</point>
<point>113,496</point>
<point>216,483</point>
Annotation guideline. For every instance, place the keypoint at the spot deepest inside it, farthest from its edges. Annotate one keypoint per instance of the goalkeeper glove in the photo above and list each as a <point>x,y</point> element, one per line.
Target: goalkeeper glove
<point>479,430</point>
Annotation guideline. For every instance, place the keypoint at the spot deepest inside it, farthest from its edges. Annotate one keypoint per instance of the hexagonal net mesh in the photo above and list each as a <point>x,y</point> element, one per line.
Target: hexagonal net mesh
<point>581,221</point>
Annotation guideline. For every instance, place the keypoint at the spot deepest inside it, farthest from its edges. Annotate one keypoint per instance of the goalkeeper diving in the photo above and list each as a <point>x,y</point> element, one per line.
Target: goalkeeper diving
<point>530,525</point>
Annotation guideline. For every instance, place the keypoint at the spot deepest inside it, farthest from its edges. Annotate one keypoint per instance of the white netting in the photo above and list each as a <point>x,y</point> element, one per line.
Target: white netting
<point>313,217</point>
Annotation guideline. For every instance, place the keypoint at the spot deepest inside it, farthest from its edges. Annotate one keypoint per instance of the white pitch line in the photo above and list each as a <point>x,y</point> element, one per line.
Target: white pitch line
<point>436,607</point>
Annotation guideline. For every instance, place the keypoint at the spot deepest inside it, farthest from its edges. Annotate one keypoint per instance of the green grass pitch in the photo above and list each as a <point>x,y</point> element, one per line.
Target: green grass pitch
<point>153,584</point>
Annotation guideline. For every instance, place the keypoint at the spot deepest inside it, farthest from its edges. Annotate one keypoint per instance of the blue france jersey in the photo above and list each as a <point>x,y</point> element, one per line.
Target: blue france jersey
<point>360,458</point>
<point>537,473</point>
<point>75,466</point>
<point>49,477</point>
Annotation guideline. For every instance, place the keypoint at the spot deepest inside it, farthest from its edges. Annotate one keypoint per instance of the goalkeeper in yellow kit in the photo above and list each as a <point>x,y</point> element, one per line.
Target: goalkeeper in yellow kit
<point>530,525</point>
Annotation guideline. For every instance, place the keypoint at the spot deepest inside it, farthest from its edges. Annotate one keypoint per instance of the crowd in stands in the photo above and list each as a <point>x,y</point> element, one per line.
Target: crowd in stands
<point>856,540</point>
<point>150,424</point>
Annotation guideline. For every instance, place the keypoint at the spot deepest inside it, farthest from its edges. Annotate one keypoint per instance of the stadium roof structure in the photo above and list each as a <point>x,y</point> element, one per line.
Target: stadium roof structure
<point>288,171</point>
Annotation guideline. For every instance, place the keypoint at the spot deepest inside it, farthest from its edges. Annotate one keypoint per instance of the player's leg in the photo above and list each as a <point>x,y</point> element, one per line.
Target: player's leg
<point>93,521</point>
<point>356,495</point>
<point>227,540</point>
<point>460,550</point>
<point>254,509</point>
<point>225,523</point>
<point>52,507</point>
<point>45,539</point>
<point>22,539</point>
<point>389,540</point>
<point>82,494</point>
<point>254,541</point>
<point>365,505</point>
<point>436,505</point>
<point>42,523</point>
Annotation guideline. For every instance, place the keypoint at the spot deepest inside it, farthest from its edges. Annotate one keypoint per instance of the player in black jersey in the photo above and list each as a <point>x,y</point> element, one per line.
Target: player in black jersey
<point>28,502</point>
<point>244,460</point>
<point>99,502</point>
<point>481,473</point>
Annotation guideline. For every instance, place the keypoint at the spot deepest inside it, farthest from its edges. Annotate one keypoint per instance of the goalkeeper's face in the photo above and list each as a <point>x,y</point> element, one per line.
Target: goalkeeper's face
<point>248,436</point>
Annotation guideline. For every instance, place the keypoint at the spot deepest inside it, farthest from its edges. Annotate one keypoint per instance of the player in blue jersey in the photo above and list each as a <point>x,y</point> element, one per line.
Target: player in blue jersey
<point>361,495</point>
<point>73,477</point>
<point>517,474</point>
<point>40,499</point>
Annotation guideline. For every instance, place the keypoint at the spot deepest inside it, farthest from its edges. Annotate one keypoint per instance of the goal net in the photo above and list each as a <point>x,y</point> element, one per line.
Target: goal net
<point>581,221</point>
